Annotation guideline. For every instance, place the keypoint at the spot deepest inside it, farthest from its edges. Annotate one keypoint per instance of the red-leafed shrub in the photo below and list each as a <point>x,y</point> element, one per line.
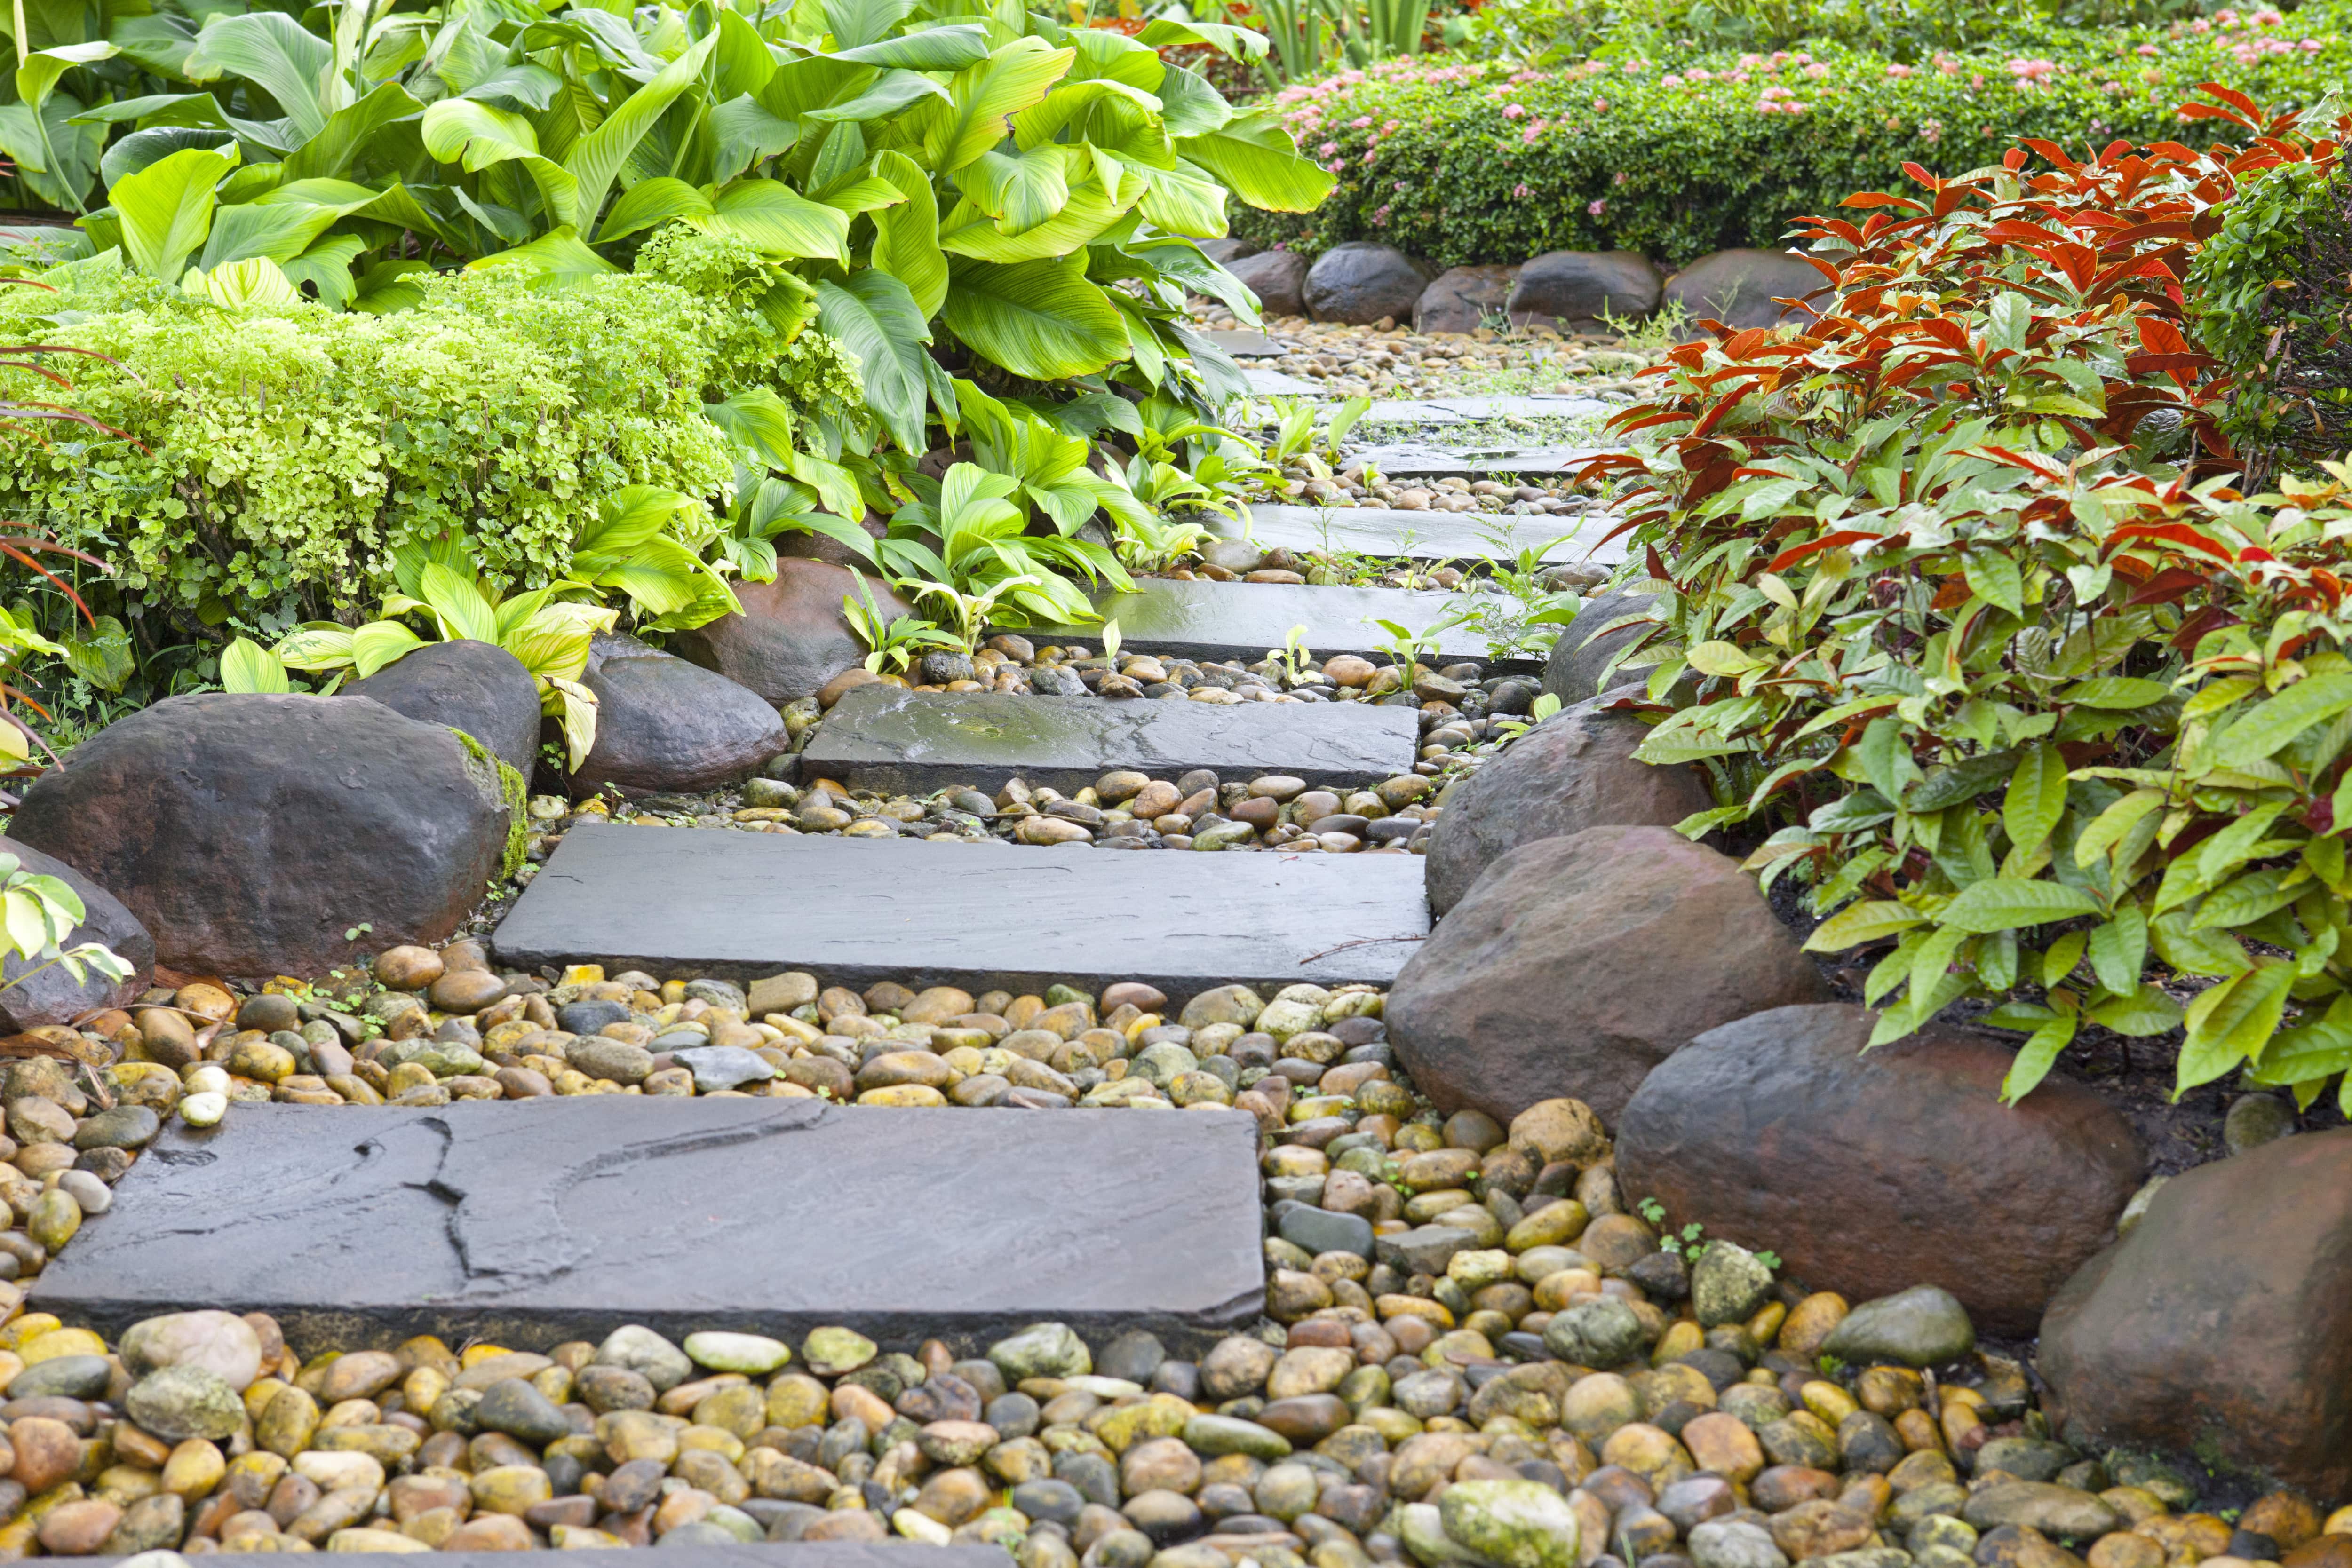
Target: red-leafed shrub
<point>1953,596</point>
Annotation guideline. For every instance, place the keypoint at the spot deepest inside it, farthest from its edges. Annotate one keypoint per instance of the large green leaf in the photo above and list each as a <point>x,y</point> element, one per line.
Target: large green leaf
<point>1040,319</point>
<point>151,145</point>
<point>1256,157</point>
<point>907,237</point>
<point>1019,191</point>
<point>874,316</point>
<point>1088,212</point>
<point>556,259</point>
<point>279,232</point>
<point>166,209</point>
<point>934,49</point>
<point>780,220</point>
<point>1238,42</point>
<point>746,131</point>
<point>478,136</point>
<point>274,51</point>
<point>982,96</point>
<point>2006,903</point>
<point>594,161</point>
<point>760,421</point>
<point>348,130</point>
<point>2259,731</point>
<point>649,204</point>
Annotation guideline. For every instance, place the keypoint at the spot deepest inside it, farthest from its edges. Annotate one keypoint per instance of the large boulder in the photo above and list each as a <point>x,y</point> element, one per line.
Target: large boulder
<point>2223,1322</point>
<point>53,995</point>
<point>1574,289</point>
<point>665,726</point>
<point>807,544</point>
<point>1573,673</point>
<point>1737,287</point>
<point>1575,965</point>
<point>248,834</point>
<point>1575,770</point>
<point>478,687</point>
<point>1279,278</point>
<point>1363,281</point>
<point>1463,298</point>
<point>1225,251</point>
<point>1870,1174</point>
<point>792,637</point>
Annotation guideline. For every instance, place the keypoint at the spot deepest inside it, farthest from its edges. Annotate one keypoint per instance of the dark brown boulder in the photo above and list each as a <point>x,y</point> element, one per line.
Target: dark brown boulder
<point>792,637</point>
<point>2223,1322</point>
<point>1574,670</point>
<point>1279,278</point>
<point>478,687</point>
<point>1363,281</point>
<point>1575,770</point>
<point>1870,1174</point>
<point>53,995</point>
<point>248,832</point>
<point>1575,965</point>
<point>1575,289</point>
<point>1737,287</point>
<point>1463,298</point>
<point>664,725</point>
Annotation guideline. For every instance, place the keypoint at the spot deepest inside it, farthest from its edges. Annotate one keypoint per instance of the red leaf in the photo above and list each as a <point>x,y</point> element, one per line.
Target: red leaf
<point>1796,553</point>
<point>2167,585</point>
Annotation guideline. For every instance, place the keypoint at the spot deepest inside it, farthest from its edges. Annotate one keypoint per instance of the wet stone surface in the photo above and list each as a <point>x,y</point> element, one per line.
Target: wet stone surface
<point>533,1220</point>
<point>881,737</point>
<point>720,903</point>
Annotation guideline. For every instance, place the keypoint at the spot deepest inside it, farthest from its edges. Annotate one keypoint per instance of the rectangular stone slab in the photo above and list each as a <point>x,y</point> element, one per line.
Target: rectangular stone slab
<point>529,1222</point>
<point>1425,536</point>
<point>889,738</point>
<point>1202,620</point>
<point>1437,410</point>
<point>1246,345</point>
<point>765,1554</point>
<point>1417,460</point>
<point>1278,383</point>
<point>1016,917</point>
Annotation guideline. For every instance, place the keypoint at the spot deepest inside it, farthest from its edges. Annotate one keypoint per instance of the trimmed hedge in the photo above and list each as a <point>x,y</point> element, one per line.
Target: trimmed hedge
<point>1461,163</point>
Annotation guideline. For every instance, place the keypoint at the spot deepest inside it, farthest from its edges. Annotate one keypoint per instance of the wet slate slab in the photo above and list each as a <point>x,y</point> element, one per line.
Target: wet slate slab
<point>765,1554</point>
<point>529,1222</point>
<point>884,738</point>
<point>1421,460</point>
<point>1227,619</point>
<point>1440,411</point>
<point>686,901</point>
<point>1575,540</point>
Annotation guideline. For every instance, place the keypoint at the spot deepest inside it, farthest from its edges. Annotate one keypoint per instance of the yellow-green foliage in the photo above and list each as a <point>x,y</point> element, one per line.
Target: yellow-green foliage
<point>287,451</point>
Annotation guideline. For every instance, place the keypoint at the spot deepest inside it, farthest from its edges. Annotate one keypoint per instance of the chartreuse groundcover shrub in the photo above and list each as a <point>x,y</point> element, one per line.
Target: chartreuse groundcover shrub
<point>1466,160</point>
<point>473,275</point>
<point>1957,603</point>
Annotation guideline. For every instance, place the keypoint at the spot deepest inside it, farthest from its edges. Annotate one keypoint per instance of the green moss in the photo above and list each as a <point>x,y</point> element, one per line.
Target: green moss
<point>514,791</point>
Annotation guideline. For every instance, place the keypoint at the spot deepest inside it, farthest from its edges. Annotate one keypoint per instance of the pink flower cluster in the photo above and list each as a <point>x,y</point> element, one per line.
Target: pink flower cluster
<point>1780,100</point>
<point>2032,72</point>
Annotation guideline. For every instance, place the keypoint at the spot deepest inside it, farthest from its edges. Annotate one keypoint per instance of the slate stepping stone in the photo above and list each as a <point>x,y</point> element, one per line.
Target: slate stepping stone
<point>1246,345</point>
<point>687,901</point>
<point>1418,460</point>
<point>1438,410</point>
<point>533,1222</point>
<point>1229,620</point>
<point>1429,536</point>
<point>762,1554</point>
<point>887,738</point>
<point>1278,383</point>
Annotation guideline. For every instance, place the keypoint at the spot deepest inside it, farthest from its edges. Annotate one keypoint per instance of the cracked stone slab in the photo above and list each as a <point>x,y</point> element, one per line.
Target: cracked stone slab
<point>1428,535</point>
<point>764,1554</point>
<point>1201,620</point>
<point>1420,460</point>
<point>530,1222</point>
<point>984,917</point>
<point>889,738</point>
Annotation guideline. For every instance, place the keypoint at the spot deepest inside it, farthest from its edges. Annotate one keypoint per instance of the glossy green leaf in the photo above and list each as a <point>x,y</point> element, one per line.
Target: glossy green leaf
<point>2008,904</point>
